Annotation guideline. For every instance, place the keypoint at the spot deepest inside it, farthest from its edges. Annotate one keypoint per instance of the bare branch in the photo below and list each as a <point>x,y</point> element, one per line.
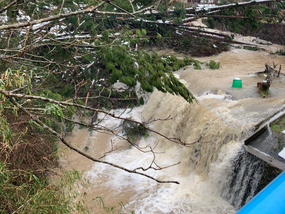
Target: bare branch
<point>236,4</point>
<point>61,6</point>
<point>60,16</point>
<point>8,5</point>
<point>121,9</point>
<point>64,103</point>
<point>50,18</point>
<point>11,94</point>
<point>131,3</point>
<point>160,119</point>
<point>34,118</point>
<point>238,17</point>
<point>112,150</point>
<point>144,9</point>
<point>279,71</point>
<point>19,89</point>
<point>156,166</point>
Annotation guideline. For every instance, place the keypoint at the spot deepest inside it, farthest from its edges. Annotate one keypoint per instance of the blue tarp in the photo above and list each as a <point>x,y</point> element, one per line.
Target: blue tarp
<point>270,200</point>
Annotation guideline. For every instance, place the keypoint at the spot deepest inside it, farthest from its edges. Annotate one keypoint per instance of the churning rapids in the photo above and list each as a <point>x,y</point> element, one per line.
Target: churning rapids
<point>223,117</point>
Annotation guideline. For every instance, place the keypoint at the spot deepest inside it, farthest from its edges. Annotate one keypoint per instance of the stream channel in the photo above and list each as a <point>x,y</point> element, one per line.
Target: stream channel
<point>223,117</point>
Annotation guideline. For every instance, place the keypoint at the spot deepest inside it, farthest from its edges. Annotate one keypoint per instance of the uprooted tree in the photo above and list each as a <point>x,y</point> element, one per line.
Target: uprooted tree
<point>270,72</point>
<point>59,58</point>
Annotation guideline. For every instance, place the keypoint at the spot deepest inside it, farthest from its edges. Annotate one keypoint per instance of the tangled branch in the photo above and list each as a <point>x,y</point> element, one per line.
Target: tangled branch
<point>63,104</point>
<point>65,15</point>
<point>10,96</point>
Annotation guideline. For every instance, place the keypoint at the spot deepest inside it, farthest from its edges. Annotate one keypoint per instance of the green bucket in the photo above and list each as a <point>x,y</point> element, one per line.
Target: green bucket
<point>237,83</point>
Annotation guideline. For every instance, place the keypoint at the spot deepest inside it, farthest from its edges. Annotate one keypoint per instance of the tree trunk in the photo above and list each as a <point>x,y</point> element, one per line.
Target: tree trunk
<point>264,86</point>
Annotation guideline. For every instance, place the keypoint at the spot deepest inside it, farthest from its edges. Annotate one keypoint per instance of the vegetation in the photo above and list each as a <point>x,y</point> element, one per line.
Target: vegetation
<point>253,14</point>
<point>51,70</point>
<point>28,155</point>
<point>278,126</point>
<point>59,58</point>
<point>134,131</point>
<point>251,48</point>
<point>214,65</point>
<point>280,52</point>
<point>23,192</point>
<point>112,209</point>
<point>263,93</point>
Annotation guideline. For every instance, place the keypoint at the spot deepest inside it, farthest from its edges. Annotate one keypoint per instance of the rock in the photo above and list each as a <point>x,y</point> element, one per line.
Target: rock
<point>119,86</point>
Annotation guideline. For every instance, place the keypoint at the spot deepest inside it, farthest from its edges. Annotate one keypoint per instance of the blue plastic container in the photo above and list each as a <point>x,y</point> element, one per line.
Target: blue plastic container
<point>270,200</point>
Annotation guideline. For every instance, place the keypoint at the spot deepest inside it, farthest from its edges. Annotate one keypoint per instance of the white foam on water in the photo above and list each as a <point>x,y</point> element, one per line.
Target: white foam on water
<point>196,193</point>
<point>216,119</point>
<point>190,196</point>
<point>203,167</point>
<point>112,122</point>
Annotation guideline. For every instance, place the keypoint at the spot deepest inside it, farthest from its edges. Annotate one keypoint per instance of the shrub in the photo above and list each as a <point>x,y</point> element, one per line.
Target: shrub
<point>214,65</point>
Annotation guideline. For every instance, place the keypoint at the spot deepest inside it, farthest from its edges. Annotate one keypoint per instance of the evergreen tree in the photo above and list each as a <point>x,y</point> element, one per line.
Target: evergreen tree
<point>80,44</point>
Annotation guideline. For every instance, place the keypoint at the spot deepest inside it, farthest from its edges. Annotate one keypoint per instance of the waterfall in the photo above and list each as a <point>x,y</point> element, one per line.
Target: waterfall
<point>243,179</point>
<point>214,137</point>
<point>216,176</point>
<point>214,173</point>
<point>213,127</point>
<point>219,157</point>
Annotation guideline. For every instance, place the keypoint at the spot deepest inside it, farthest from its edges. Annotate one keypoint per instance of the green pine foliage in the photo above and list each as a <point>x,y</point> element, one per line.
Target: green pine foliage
<point>84,48</point>
<point>134,131</point>
<point>70,59</point>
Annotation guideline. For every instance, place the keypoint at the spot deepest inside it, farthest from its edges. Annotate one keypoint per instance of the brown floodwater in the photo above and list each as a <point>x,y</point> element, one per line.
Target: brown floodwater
<point>219,119</point>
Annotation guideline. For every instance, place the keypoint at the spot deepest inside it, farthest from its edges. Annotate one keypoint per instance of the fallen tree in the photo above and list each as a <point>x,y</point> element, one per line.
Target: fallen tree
<point>270,72</point>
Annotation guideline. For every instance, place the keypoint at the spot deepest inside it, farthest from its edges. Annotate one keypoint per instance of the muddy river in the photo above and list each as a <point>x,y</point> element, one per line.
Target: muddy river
<point>221,120</point>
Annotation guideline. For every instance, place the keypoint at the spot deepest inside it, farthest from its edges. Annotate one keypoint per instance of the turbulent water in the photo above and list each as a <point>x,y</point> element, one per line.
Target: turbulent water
<point>220,120</point>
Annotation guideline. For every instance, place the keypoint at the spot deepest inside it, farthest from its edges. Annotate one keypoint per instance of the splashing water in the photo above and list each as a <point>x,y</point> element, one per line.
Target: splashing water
<point>219,121</point>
